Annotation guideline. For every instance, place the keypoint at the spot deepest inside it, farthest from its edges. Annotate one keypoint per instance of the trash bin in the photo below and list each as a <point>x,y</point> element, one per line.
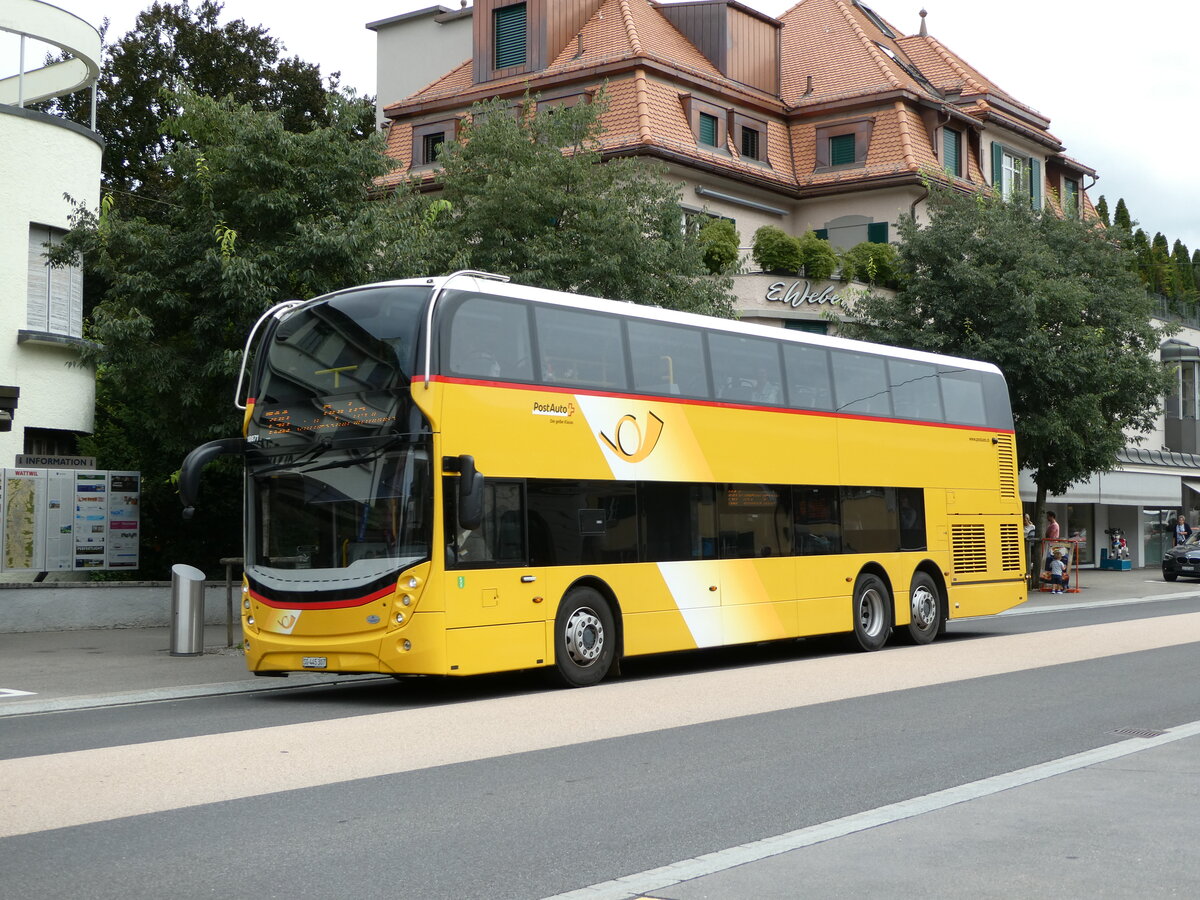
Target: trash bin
<point>187,611</point>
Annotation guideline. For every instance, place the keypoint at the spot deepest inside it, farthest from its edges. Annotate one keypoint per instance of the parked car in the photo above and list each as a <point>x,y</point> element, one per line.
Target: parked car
<point>1183,560</point>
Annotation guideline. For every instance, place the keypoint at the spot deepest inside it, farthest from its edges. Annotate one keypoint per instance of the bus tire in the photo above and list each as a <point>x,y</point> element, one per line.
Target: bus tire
<point>928,610</point>
<point>872,612</point>
<point>585,638</point>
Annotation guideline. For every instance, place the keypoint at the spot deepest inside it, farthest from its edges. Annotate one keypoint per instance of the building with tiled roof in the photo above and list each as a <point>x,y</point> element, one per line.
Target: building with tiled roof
<point>827,118</point>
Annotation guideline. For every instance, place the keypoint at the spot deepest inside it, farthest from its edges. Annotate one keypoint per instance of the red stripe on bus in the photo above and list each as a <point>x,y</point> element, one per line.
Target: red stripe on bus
<point>720,404</point>
<point>326,604</point>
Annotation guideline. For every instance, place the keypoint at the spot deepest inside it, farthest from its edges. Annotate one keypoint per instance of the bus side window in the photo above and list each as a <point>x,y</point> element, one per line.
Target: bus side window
<point>668,359</point>
<point>499,540</point>
<point>808,381</point>
<point>914,388</point>
<point>816,521</point>
<point>489,338</point>
<point>745,369</point>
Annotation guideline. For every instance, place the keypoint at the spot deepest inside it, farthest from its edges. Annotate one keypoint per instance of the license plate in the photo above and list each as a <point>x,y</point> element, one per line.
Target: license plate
<point>1187,568</point>
<point>315,662</point>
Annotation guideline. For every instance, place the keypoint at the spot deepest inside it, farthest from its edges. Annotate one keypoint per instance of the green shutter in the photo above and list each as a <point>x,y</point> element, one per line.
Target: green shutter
<point>997,166</point>
<point>822,233</point>
<point>952,151</point>
<point>841,150</point>
<point>708,130</point>
<point>1035,182</point>
<point>877,232</point>
<point>510,35</point>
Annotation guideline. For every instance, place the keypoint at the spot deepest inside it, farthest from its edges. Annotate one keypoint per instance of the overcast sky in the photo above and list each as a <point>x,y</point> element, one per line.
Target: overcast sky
<point>1120,83</point>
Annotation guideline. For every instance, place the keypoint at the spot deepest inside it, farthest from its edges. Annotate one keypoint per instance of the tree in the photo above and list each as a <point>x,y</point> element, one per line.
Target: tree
<point>871,263</point>
<point>529,198</point>
<point>777,251</point>
<point>720,241</point>
<point>177,47</point>
<point>1102,210</point>
<point>254,214</point>
<point>1160,265</point>
<point>1054,303</point>
<point>1121,216</point>
<point>1183,275</point>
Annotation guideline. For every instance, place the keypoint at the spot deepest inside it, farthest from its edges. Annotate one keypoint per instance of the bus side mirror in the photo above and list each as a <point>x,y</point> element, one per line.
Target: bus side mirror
<point>194,463</point>
<point>470,493</point>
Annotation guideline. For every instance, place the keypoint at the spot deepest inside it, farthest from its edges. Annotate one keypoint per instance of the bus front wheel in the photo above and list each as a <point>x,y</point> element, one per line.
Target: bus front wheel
<point>584,638</point>
<point>928,610</point>
<point>872,612</point>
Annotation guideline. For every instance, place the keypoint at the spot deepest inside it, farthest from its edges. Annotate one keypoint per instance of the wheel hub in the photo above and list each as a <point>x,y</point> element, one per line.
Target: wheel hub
<point>584,636</point>
<point>924,607</point>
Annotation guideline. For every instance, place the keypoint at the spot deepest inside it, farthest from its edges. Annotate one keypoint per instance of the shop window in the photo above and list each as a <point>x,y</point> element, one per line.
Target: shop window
<point>510,35</point>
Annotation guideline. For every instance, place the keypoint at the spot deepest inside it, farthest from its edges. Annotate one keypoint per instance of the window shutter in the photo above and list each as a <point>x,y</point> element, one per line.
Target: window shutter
<point>37,314</point>
<point>822,233</point>
<point>509,23</point>
<point>708,130</point>
<point>951,151</point>
<point>997,166</point>
<point>841,150</point>
<point>749,143</point>
<point>1035,182</point>
<point>877,232</point>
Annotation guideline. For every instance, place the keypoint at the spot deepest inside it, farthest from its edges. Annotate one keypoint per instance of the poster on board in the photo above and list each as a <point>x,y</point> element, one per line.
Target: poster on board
<point>124,519</point>
<point>91,519</point>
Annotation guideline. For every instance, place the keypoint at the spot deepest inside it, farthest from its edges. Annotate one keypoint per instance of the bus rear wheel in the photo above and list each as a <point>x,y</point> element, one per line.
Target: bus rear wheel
<point>584,638</point>
<point>928,610</point>
<point>872,612</point>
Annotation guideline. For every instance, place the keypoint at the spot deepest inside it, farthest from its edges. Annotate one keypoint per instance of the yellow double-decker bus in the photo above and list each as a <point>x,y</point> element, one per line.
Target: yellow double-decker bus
<point>460,475</point>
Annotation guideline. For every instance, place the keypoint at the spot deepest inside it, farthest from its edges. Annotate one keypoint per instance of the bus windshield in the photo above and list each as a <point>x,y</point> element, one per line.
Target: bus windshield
<point>357,508</point>
<point>338,467</point>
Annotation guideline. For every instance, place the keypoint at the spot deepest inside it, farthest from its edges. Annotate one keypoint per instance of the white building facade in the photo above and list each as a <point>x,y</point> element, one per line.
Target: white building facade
<point>47,397</point>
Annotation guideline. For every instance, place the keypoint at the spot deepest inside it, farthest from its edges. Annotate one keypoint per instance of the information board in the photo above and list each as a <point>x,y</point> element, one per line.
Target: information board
<point>54,520</point>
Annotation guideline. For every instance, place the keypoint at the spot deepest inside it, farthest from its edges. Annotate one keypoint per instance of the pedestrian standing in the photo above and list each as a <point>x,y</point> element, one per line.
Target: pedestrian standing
<point>1052,531</point>
<point>1182,531</point>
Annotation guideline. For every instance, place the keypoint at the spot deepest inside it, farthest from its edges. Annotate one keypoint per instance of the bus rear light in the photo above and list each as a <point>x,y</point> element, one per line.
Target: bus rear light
<point>246,603</point>
<point>407,645</point>
<point>399,618</point>
<point>249,620</point>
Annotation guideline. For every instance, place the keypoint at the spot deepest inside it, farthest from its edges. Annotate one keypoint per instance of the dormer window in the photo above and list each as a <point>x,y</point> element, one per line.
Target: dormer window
<point>844,145</point>
<point>710,123</point>
<point>510,36</point>
<point>749,137</point>
<point>428,137</point>
<point>1014,174</point>
<point>1070,198</point>
<point>750,143</point>
<point>708,128</point>
<point>952,152</point>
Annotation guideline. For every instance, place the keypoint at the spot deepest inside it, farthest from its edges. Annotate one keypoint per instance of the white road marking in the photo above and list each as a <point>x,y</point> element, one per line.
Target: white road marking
<point>65,789</point>
<point>13,692</point>
<point>631,886</point>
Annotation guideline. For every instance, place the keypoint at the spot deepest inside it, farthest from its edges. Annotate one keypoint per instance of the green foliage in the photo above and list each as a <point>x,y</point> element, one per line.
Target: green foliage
<point>871,263</point>
<point>1054,303</point>
<point>1102,210</point>
<point>523,207</point>
<point>182,47</point>
<point>1183,278</point>
<point>777,251</point>
<point>254,214</point>
<point>818,257</point>
<point>720,240</point>
<point>1121,216</point>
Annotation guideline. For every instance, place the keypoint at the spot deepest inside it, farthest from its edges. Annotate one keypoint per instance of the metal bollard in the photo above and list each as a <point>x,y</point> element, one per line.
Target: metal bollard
<point>187,611</point>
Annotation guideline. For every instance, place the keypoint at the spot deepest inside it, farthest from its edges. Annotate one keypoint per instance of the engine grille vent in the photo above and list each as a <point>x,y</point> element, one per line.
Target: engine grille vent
<point>1006,458</point>
<point>968,548</point>
<point>1010,547</point>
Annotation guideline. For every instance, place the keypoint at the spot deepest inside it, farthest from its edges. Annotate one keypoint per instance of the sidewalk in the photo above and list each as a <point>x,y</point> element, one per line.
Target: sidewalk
<point>56,670</point>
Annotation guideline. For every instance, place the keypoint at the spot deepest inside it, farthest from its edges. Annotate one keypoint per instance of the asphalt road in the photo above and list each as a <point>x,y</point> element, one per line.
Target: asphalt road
<point>497,788</point>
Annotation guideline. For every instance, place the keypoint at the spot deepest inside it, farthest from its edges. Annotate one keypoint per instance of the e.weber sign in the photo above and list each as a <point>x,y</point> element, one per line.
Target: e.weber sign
<point>60,519</point>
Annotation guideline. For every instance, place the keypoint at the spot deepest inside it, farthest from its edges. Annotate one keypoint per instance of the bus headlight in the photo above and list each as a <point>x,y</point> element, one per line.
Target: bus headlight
<point>413,582</point>
<point>406,600</point>
<point>399,618</point>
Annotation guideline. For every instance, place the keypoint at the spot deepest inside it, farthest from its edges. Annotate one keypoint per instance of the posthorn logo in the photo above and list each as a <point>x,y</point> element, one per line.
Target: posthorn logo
<point>629,441</point>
